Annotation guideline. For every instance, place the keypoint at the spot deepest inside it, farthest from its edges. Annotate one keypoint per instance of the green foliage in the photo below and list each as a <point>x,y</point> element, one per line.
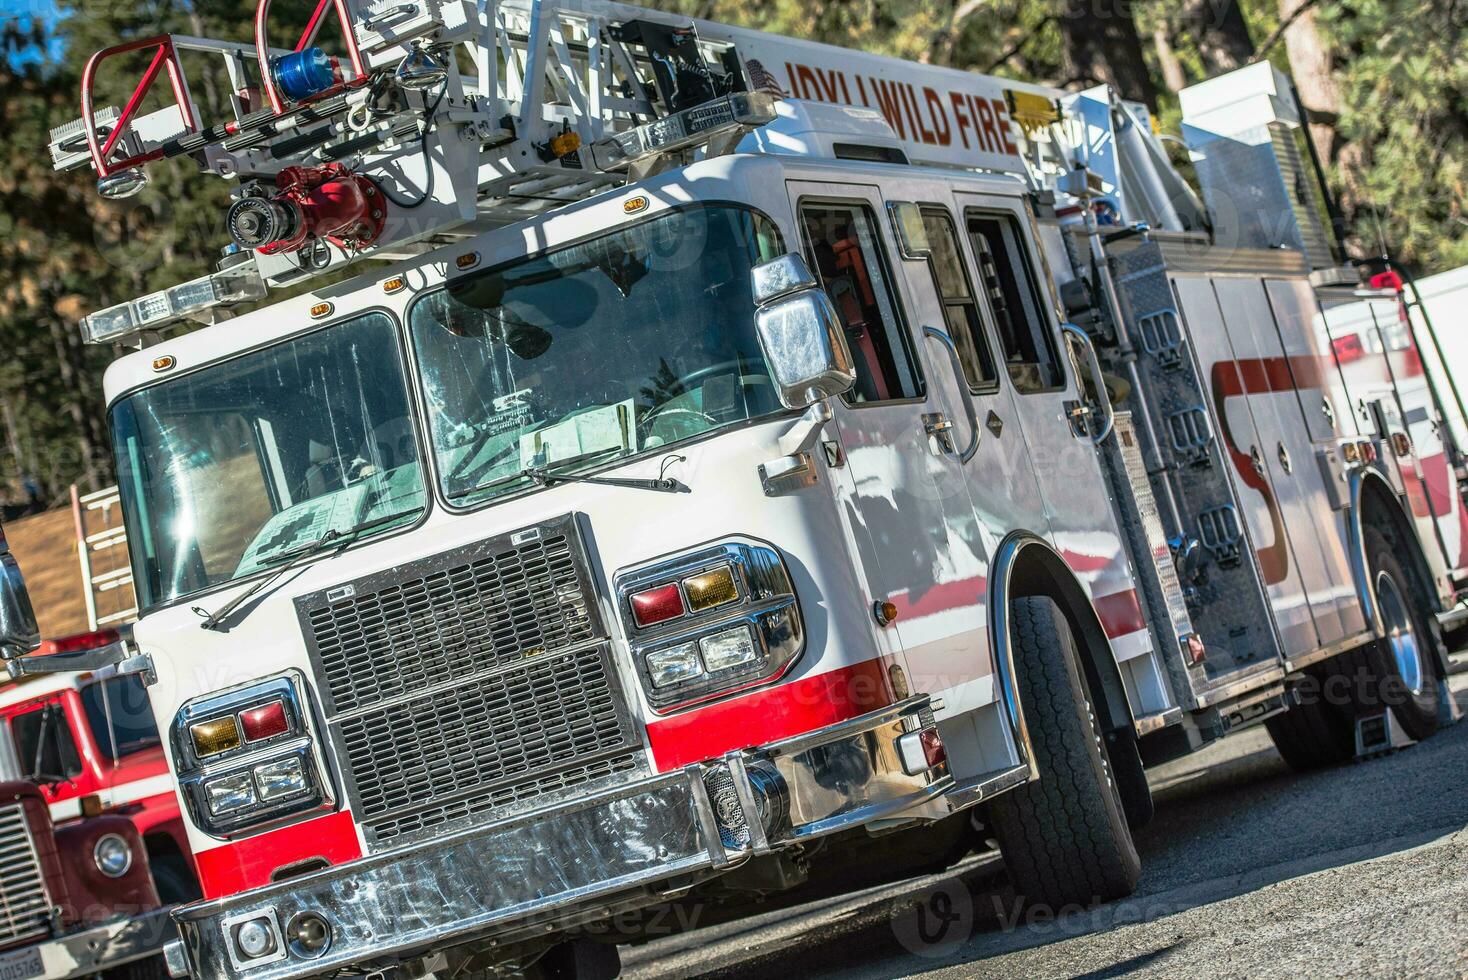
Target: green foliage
<point>1404,83</point>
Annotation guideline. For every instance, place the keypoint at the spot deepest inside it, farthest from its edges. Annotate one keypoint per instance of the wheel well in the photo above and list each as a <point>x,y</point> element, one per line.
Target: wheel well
<point>1038,571</point>
<point>1378,507</point>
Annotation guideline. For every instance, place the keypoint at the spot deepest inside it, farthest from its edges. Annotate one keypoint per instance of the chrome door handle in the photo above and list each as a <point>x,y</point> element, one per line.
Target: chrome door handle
<point>967,453</point>
<point>1093,363</point>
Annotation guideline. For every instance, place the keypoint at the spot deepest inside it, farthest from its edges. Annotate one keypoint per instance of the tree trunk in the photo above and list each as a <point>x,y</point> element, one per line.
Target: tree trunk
<point>1221,33</point>
<point>1167,60</point>
<point>1310,63</point>
<point>1101,45</point>
<point>1320,93</point>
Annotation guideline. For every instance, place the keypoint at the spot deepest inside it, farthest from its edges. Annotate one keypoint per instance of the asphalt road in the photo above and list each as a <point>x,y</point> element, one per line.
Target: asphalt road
<point>1249,869</point>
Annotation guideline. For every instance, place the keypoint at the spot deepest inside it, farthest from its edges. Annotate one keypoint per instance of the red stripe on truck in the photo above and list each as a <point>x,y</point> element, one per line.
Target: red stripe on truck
<point>244,864</point>
<point>770,715</point>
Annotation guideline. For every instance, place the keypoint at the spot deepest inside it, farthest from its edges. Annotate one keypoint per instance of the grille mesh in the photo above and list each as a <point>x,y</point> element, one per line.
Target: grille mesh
<point>23,902</point>
<point>469,682</point>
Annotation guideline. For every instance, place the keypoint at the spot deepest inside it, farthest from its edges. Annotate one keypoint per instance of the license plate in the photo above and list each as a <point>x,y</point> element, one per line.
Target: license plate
<point>23,964</point>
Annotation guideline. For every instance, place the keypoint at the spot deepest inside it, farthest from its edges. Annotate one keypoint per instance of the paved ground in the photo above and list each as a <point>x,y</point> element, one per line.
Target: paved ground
<point>1248,870</point>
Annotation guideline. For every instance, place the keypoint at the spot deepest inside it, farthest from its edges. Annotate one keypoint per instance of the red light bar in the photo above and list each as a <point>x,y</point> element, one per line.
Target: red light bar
<point>657,605</point>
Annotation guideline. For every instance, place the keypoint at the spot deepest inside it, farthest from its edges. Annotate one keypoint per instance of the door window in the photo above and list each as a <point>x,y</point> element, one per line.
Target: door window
<point>44,745</point>
<point>1009,284</point>
<point>842,242</point>
<point>960,309</point>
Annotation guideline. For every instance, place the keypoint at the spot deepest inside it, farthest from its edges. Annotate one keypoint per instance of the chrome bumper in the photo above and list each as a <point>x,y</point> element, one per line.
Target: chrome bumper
<point>540,871</point>
<point>103,947</point>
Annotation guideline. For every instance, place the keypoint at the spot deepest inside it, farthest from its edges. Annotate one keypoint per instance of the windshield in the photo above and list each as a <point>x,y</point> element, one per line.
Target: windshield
<point>629,343</point>
<point>223,470</point>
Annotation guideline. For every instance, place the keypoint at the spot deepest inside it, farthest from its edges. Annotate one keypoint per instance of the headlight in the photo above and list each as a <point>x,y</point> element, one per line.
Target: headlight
<point>679,663</point>
<point>281,779</point>
<point>247,758</point>
<point>710,622</point>
<point>112,855</point>
<point>728,649</point>
<point>229,794</point>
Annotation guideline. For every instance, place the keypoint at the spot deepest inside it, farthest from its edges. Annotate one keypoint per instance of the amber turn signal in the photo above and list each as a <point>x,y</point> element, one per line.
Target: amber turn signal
<point>214,737</point>
<point>715,587</point>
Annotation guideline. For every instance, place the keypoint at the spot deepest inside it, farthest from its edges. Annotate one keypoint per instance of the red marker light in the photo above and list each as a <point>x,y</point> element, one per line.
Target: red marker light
<point>657,605</point>
<point>266,721</point>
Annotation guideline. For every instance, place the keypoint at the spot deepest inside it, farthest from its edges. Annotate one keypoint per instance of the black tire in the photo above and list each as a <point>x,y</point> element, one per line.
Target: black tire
<point>1064,838</point>
<point>1417,711</point>
<point>174,878</point>
<point>1321,731</point>
<point>1315,733</point>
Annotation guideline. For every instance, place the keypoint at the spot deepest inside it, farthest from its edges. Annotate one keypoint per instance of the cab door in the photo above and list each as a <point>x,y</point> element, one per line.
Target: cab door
<point>898,479</point>
<point>1048,399</point>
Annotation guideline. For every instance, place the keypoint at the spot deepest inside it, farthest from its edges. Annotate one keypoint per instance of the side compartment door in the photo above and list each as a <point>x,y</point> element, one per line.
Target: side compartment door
<point>1316,384</point>
<point>1232,368</point>
<point>902,490</point>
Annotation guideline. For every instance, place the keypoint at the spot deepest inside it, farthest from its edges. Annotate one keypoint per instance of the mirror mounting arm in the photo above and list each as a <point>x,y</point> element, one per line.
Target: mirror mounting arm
<point>802,435</point>
<point>113,655</point>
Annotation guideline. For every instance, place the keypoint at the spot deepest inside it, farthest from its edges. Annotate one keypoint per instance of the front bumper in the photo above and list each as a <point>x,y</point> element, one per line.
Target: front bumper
<point>92,950</point>
<point>545,870</point>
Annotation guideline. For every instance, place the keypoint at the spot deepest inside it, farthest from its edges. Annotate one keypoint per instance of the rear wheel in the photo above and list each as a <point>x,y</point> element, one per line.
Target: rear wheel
<point>1064,837</point>
<point>1406,661</point>
<point>1396,672</point>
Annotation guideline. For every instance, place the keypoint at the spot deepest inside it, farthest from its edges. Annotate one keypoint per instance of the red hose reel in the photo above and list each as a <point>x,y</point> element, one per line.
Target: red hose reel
<point>329,201</point>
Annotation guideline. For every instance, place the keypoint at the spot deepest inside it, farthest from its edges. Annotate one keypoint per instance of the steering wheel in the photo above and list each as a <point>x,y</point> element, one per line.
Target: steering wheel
<point>694,379</point>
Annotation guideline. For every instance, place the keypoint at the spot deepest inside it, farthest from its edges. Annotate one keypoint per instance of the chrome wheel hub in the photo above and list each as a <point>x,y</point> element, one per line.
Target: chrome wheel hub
<point>1401,638</point>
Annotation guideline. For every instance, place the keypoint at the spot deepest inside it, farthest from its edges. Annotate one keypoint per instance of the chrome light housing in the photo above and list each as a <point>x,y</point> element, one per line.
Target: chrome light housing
<point>710,623</point>
<point>248,758</point>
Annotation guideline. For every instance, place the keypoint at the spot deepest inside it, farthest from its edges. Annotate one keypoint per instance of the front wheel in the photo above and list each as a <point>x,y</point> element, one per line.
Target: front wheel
<point>1064,838</point>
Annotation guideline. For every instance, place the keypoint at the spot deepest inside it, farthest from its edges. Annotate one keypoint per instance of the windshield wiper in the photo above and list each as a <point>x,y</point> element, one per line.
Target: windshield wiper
<point>297,556</point>
<point>547,477</point>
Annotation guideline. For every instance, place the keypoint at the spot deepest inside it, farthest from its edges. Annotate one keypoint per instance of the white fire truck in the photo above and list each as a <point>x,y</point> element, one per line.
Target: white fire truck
<point>747,455</point>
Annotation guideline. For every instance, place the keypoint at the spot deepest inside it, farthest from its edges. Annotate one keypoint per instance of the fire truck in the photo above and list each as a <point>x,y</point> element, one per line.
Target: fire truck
<point>78,893</point>
<point>89,743</point>
<point>690,457</point>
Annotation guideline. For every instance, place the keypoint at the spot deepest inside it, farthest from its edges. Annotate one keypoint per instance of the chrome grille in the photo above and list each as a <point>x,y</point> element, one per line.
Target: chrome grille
<point>24,906</point>
<point>470,682</point>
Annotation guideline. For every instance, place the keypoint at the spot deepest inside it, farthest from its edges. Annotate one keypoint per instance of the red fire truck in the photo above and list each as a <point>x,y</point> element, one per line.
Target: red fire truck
<point>752,455</point>
<point>89,743</point>
<point>92,848</point>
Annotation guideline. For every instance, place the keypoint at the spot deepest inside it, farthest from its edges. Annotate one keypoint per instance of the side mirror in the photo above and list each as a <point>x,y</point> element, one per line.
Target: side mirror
<point>19,634</point>
<point>800,333</point>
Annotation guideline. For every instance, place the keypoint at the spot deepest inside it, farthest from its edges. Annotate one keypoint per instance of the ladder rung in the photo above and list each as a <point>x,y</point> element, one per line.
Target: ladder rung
<point>101,498</point>
<point>107,537</point>
<point>113,576</point>
<point>118,616</point>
